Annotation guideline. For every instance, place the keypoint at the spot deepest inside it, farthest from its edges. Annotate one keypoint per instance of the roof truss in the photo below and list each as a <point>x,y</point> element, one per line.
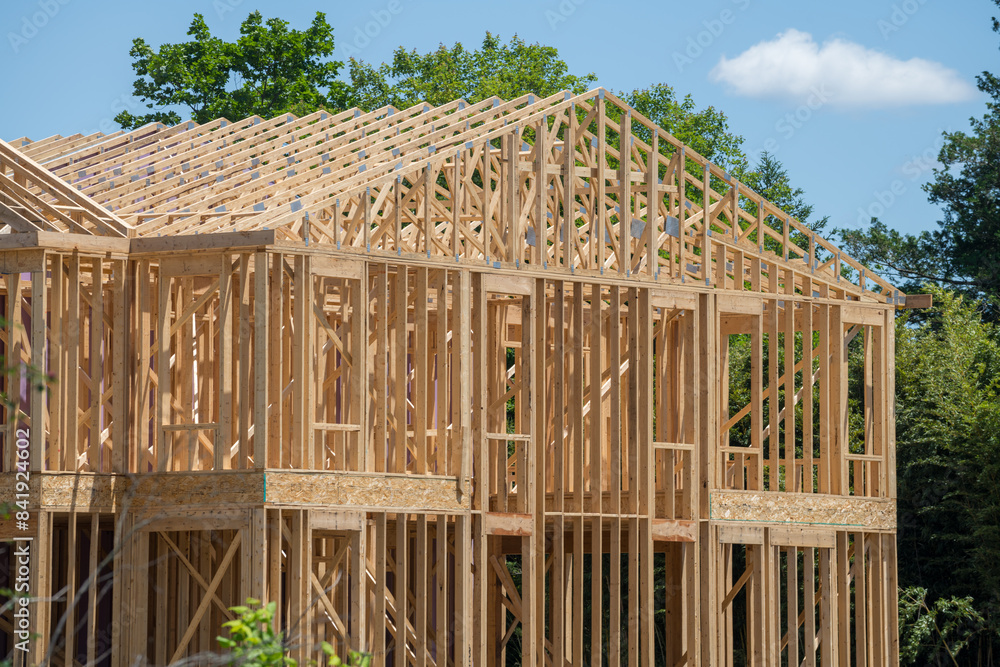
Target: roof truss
<point>578,183</point>
<point>32,199</point>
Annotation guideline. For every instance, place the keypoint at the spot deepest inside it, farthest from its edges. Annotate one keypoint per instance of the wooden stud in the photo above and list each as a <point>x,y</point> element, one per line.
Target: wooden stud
<point>224,435</point>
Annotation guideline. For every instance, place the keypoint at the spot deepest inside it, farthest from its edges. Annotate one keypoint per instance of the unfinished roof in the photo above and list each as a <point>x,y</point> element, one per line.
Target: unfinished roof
<point>423,181</point>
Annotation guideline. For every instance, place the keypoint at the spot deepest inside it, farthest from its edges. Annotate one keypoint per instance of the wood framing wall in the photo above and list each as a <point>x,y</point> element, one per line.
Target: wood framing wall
<point>396,384</point>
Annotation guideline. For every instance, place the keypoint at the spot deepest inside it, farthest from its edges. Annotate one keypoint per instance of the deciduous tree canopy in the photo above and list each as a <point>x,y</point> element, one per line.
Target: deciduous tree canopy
<point>271,69</point>
<point>450,73</point>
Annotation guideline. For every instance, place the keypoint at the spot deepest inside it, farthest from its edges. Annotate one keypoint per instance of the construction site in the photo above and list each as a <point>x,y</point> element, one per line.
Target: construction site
<point>520,382</point>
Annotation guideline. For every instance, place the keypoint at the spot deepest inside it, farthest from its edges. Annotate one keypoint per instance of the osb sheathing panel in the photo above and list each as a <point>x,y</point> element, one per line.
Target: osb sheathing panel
<point>874,514</point>
<point>63,491</point>
<point>209,489</point>
<point>112,492</point>
<point>376,491</point>
<point>85,492</point>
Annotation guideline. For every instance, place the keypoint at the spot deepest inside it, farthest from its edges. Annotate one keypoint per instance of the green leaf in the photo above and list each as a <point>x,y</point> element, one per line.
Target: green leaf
<point>270,70</point>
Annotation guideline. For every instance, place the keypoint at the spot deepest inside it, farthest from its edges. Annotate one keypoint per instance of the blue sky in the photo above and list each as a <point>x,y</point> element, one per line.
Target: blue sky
<point>852,96</point>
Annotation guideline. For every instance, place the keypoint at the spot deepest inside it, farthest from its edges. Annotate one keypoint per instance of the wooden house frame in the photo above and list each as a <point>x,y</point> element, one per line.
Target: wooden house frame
<point>457,386</point>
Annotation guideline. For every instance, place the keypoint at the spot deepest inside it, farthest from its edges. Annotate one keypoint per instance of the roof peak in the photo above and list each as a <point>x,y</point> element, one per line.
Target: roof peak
<point>495,180</point>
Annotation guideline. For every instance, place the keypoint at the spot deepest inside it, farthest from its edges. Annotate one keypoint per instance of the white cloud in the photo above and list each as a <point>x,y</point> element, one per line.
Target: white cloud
<point>793,66</point>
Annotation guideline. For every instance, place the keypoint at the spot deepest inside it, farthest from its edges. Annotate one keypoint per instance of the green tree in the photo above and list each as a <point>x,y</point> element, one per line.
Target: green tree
<point>948,445</point>
<point>269,70</point>
<point>770,179</point>
<point>449,73</point>
<point>908,260</point>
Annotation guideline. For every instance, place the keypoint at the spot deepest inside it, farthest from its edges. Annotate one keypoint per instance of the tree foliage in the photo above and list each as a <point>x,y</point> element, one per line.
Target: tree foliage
<point>252,640</point>
<point>908,260</point>
<point>271,69</point>
<point>948,456</point>
<point>770,179</point>
<point>449,73</point>
<point>934,634</point>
